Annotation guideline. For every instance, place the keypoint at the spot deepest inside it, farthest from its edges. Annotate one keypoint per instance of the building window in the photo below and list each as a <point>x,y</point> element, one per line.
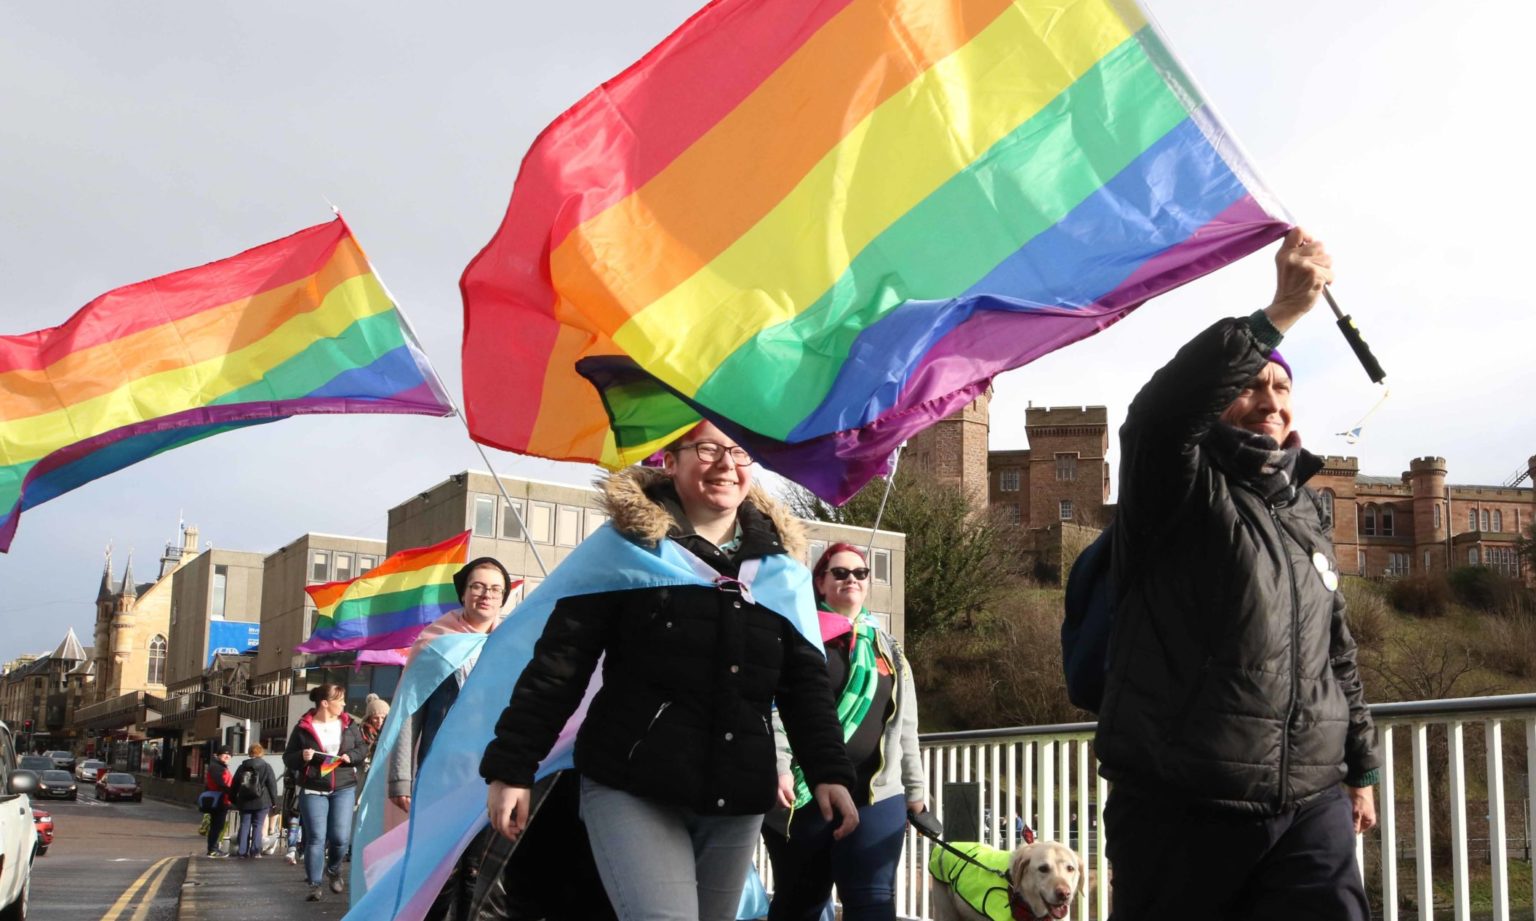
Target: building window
<point>485,516</point>
<point>1008,480</point>
<point>220,590</point>
<point>1437,516</point>
<point>1472,557</point>
<point>541,522</point>
<point>365,563</point>
<point>882,566</point>
<point>1426,562</point>
<point>1013,514</point>
<point>1486,523</point>
<point>1064,509</point>
<point>1066,466</point>
<point>344,567</point>
<point>157,660</point>
<point>1498,520</point>
<point>320,566</point>
<point>511,519</point>
<point>595,520</point>
<point>1360,562</point>
<point>1397,564</point>
<point>1471,519</point>
<point>1368,521</point>
<point>567,526</point>
<point>1388,520</point>
<point>1327,497</point>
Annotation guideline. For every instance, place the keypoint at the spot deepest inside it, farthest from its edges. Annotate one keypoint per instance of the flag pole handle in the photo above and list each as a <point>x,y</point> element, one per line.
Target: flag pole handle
<point>1356,342</point>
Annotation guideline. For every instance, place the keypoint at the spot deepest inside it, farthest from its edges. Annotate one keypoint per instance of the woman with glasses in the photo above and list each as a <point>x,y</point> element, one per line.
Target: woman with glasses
<point>877,708</point>
<point>323,752</point>
<point>676,754</point>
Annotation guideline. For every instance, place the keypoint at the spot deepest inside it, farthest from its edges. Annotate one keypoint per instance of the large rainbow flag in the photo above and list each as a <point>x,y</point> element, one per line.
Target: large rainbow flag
<point>387,606</point>
<point>296,326</point>
<point>826,224</point>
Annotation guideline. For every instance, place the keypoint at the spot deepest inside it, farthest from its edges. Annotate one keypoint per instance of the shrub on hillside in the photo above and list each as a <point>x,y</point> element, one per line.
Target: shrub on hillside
<point>1481,588</point>
<point>1367,613</point>
<point>1424,596</point>
<point>1509,645</point>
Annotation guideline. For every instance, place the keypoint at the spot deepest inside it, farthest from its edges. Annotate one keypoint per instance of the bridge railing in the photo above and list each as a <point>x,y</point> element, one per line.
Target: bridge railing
<point>1463,763</point>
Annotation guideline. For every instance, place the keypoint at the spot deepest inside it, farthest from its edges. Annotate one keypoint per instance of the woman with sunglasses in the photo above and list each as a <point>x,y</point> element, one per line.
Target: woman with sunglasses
<point>877,707</point>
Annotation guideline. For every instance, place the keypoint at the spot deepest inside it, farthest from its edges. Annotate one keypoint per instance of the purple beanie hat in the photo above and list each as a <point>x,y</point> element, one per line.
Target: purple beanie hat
<point>1275,357</point>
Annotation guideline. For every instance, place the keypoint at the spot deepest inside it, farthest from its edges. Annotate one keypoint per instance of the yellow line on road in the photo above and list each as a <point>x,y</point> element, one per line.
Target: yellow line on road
<point>150,891</point>
<point>124,900</point>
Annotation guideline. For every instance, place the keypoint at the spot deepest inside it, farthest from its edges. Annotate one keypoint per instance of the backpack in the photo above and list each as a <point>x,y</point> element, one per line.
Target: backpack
<point>1090,617</point>
<point>247,786</point>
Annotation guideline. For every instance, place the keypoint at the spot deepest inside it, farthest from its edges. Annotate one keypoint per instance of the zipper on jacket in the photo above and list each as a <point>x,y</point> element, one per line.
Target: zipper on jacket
<point>648,726</point>
<point>1290,709</point>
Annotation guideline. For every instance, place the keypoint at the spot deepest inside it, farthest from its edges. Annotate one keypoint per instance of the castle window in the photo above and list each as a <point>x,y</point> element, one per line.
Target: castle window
<point>1471,519</point>
<point>1397,564</point>
<point>1437,516</point>
<point>1064,509</point>
<point>1327,497</point>
<point>1360,562</point>
<point>1426,561</point>
<point>1066,466</point>
<point>1014,514</point>
<point>1472,557</point>
<point>157,660</point>
<point>1368,521</point>
<point>1486,522</point>
<point>1388,520</point>
<point>1008,480</point>
<point>1498,520</point>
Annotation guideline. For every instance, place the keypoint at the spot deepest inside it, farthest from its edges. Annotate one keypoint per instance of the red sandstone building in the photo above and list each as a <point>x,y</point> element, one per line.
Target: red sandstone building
<point>1415,523</point>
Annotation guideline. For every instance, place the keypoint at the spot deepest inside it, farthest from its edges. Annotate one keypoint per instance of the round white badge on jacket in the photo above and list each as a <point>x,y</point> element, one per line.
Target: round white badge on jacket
<point>1325,570</point>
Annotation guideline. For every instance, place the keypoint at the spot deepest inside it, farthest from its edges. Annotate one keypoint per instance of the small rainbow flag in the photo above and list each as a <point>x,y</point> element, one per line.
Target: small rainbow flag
<point>296,326</point>
<point>329,765</point>
<point>387,606</point>
<point>826,224</point>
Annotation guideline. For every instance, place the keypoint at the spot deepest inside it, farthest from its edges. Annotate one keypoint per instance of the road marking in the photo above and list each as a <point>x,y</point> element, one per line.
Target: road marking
<point>150,892</point>
<point>123,901</point>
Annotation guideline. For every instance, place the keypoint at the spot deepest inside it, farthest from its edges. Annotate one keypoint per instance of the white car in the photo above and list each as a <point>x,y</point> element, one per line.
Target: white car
<point>18,833</point>
<point>88,770</point>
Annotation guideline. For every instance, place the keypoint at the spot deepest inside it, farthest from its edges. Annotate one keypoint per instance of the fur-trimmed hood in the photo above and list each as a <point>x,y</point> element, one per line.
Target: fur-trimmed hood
<point>639,517</point>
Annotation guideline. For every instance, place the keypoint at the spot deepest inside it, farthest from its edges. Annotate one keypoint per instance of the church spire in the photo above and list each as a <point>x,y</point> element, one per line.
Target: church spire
<point>129,591</point>
<point>105,592</point>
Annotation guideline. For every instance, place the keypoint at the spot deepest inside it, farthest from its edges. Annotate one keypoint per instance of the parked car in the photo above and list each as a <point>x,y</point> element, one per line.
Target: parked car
<point>88,771</point>
<point>18,832</point>
<point>35,763</point>
<point>44,822</point>
<point>63,760</point>
<point>118,786</point>
<point>56,785</point>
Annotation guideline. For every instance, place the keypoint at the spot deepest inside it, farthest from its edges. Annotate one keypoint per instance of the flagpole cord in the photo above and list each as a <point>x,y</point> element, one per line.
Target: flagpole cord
<point>447,394</point>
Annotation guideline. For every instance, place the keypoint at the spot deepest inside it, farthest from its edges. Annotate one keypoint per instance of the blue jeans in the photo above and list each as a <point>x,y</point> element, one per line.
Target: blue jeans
<point>216,820</point>
<point>863,865</point>
<point>661,862</point>
<point>327,819</point>
<point>249,839</point>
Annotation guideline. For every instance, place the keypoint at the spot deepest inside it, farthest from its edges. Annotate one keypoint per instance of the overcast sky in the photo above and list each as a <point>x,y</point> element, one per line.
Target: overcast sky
<point>138,139</point>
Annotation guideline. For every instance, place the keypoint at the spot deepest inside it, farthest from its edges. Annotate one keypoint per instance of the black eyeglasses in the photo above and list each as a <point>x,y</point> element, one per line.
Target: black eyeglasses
<point>480,588</point>
<point>840,573</point>
<point>708,452</point>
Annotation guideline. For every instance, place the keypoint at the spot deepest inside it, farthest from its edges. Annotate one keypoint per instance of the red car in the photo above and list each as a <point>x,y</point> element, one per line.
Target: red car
<point>44,822</point>
<point>118,786</point>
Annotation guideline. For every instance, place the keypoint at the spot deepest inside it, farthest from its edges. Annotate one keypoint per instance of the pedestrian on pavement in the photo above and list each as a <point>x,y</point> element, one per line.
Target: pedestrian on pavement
<point>254,793</point>
<point>675,755</point>
<point>322,752</point>
<point>1234,726</point>
<point>375,712</point>
<point>218,779</point>
<point>877,706</point>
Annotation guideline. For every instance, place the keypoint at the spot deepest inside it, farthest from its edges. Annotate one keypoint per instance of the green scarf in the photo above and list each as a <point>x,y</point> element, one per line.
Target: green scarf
<point>858,693</point>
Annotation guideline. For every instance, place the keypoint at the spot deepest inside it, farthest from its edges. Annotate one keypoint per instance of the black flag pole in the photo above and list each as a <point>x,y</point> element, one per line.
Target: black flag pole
<point>1356,341</point>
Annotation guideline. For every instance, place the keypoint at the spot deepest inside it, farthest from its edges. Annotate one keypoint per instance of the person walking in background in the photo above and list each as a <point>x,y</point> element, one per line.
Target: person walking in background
<point>218,779</point>
<point>1234,727</point>
<point>254,792</point>
<point>877,706</point>
<point>322,753</point>
<point>375,712</point>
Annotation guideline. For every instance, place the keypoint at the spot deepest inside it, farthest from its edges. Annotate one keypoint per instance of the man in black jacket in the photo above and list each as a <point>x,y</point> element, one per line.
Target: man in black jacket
<point>1233,709</point>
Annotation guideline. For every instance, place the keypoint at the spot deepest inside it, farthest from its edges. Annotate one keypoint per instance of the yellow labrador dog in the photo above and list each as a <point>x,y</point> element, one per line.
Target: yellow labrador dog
<point>1043,878</point>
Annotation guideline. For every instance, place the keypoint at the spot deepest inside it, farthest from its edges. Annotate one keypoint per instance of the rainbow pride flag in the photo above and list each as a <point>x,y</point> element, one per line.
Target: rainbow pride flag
<point>826,224</point>
<point>296,326</point>
<point>387,606</point>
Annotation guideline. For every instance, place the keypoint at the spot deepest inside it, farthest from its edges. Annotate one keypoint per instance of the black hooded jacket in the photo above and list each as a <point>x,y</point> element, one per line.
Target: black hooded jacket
<point>1232,679</point>
<point>690,675</point>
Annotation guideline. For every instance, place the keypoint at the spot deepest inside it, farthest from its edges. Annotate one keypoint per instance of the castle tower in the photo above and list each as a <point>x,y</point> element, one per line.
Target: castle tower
<point>954,450</point>
<point>1068,464</point>
<point>1431,515</point>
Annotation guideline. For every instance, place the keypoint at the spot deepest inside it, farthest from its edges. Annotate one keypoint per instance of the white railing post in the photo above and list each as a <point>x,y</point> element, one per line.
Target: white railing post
<point>1421,846</point>
<point>1386,811</point>
<point>1497,857</point>
<point>1064,790</point>
<point>1458,803</point>
<point>1101,861</point>
<point>1011,834</point>
<point>1083,845</point>
<point>994,831</point>
<point>1047,829</point>
<point>1027,797</point>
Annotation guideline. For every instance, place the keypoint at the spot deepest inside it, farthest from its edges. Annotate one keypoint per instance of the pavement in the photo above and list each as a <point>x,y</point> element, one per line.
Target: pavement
<point>232,889</point>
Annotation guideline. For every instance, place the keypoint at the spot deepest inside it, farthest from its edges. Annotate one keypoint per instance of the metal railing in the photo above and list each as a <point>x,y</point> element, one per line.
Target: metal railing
<point>271,712</point>
<point>122,710</point>
<point>1047,777</point>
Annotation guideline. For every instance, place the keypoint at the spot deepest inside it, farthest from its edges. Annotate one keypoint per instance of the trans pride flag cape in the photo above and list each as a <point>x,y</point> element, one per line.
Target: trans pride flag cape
<point>826,224</point>
<point>296,326</point>
<point>448,808</point>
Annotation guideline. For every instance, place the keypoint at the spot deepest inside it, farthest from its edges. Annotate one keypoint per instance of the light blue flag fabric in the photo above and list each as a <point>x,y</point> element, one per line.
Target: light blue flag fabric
<point>448,807</point>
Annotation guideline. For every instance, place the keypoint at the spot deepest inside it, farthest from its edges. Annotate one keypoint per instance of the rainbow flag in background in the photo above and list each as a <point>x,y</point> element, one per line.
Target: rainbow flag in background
<point>387,606</point>
<point>826,224</point>
<point>296,326</point>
